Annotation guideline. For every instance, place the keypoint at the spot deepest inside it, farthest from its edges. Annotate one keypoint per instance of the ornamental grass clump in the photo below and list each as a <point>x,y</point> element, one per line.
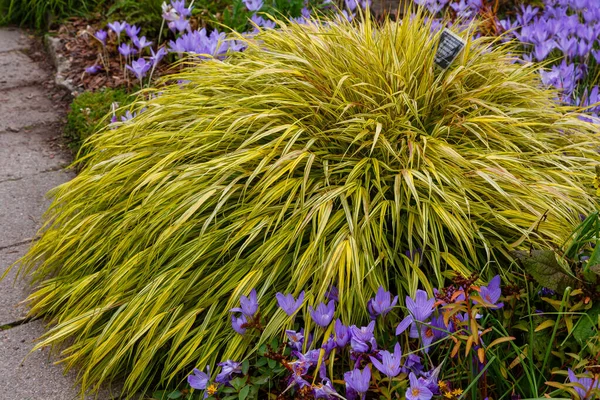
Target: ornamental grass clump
<point>326,154</point>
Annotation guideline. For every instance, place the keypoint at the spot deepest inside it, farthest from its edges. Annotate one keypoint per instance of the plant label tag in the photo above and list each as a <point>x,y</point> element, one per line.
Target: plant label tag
<point>448,49</point>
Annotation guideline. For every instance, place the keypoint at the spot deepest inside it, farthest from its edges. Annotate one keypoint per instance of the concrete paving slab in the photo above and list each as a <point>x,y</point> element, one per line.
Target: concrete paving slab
<point>19,70</point>
<point>25,106</point>
<point>30,151</point>
<point>22,203</point>
<point>12,39</point>
<point>32,376</point>
<point>12,292</point>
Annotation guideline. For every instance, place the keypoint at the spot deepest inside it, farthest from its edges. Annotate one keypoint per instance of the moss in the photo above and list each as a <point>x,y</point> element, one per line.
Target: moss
<point>90,112</point>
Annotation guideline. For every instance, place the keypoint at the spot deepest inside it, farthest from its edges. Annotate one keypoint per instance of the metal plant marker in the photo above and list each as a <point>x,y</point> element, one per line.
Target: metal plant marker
<point>448,49</point>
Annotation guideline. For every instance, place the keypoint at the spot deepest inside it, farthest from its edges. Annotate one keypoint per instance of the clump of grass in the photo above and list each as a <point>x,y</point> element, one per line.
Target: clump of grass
<point>37,13</point>
<point>89,113</point>
<point>323,154</point>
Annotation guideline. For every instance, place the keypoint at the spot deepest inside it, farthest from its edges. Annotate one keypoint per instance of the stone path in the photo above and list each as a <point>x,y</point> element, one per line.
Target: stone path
<point>30,164</point>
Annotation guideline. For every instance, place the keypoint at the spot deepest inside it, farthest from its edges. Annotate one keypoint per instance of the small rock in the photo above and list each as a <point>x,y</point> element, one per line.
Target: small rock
<point>12,129</point>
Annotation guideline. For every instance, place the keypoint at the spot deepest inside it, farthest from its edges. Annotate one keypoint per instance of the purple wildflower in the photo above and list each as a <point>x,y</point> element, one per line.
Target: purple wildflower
<point>323,314</point>
<point>288,304</point>
<point>139,67</point>
<point>381,304</point>
<point>132,31</point>
<point>584,386</point>
<point>342,334</point>
<point>333,294</point>
<point>358,381</point>
<point>141,43</point>
<point>156,57</point>
<point>491,293</point>
<point>420,310</point>
<point>249,305</point>
<point>117,27</point>
<point>253,5</point>
<point>228,368</point>
<point>126,50</point>
<point>238,323</point>
<point>324,390</point>
<point>179,25</point>
<point>418,389</point>
<point>296,339</point>
<point>101,35</point>
<point>93,69</point>
<point>199,380</point>
<point>362,339</point>
<point>390,362</point>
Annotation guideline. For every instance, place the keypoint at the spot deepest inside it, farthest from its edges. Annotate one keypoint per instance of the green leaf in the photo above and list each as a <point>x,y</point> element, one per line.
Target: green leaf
<point>586,327</point>
<point>238,383</point>
<point>261,361</point>
<point>545,269</point>
<point>260,380</point>
<point>174,395</point>
<point>245,367</point>
<point>272,363</point>
<point>244,393</point>
<point>159,395</point>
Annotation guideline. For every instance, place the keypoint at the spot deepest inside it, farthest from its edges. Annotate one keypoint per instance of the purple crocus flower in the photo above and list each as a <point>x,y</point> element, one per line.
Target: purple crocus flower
<point>117,27</point>
<point>333,294</point>
<point>342,334</point>
<point>263,22</point>
<point>179,25</point>
<point>390,362</point>
<point>101,35</point>
<point>381,304</point>
<point>492,292</point>
<point>179,6</point>
<point>253,5</point>
<point>362,339</point>
<point>139,67</point>
<point>199,380</point>
<point>358,381</point>
<point>132,31</point>
<point>324,390</point>
<point>420,310</point>
<point>141,43</point>
<point>583,386</point>
<point>249,305</point>
<point>126,50</point>
<point>323,314</point>
<point>296,339</point>
<point>238,323</point>
<point>228,368</point>
<point>418,389</point>
<point>288,304</point>
<point>156,57</point>
<point>93,69</point>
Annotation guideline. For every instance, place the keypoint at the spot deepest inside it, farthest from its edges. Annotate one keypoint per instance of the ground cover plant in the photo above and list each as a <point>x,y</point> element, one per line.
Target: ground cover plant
<point>326,154</point>
<point>457,344</point>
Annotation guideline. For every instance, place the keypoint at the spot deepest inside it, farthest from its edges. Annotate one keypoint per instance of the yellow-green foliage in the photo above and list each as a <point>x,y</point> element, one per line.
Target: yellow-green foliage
<point>318,156</point>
